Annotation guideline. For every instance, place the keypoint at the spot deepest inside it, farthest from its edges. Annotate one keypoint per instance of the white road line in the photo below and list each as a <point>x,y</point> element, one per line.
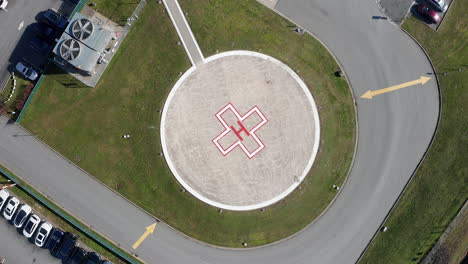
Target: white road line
<point>21,25</point>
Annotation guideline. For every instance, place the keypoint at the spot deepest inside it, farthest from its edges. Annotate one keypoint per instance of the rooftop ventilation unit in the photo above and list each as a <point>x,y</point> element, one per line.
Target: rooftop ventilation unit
<point>82,29</point>
<point>70,49</point>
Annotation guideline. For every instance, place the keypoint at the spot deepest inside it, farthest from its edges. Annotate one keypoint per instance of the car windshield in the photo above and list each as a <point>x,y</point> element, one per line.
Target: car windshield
<point>29,226</point>
<point>53,17</point>
<point>21,215</point>
<point>43,231</point>
<point>28,72</point>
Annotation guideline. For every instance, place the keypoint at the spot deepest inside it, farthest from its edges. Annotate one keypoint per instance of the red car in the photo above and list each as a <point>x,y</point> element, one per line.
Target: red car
<point>429,13</point>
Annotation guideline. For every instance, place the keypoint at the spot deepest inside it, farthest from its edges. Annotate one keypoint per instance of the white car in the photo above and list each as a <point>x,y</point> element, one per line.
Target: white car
<point>3,4</point>
<point>31,226</point>
<point>26,71</point>
<point>10,208</point>
<point>42,234</point>
<point>22,215</point>
<point>4,194</point>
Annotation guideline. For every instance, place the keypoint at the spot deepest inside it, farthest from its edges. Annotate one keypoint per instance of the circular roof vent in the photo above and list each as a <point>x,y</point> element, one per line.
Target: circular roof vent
<point>70,49</point>
<point>82,29</point>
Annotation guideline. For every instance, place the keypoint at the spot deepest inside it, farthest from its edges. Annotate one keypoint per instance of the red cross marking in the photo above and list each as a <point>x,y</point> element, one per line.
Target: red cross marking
<point>248,142</point>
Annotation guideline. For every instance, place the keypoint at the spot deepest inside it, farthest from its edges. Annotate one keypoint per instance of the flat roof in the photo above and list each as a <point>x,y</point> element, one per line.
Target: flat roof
<point>99,38</point>
<point>86,60</point>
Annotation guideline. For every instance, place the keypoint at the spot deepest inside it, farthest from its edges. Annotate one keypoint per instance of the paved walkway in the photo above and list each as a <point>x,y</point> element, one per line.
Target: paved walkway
<point>184,31</point>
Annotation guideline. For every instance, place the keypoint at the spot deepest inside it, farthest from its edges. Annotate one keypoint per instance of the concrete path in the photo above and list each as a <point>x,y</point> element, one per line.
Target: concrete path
<point>184,32</point>
<point>395,130</point>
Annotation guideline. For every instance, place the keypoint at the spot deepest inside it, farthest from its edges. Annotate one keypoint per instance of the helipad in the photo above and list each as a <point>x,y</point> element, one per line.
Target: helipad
<point>240,131</point>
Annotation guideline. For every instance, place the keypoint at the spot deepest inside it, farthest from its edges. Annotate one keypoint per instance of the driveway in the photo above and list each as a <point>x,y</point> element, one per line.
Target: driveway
<point>395,130</point>
<point>16,32</point>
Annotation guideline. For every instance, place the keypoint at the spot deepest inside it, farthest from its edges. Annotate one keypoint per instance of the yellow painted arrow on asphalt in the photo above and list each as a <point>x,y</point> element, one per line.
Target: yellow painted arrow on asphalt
<point>149,230</point>
<point>369,94</point>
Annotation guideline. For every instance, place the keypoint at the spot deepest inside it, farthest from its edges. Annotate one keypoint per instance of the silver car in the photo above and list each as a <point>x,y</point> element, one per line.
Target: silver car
<point>26,71</point>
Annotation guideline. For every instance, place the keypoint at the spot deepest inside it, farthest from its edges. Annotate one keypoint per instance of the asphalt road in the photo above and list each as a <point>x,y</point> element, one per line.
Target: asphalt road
<point>16,32</point>
<point>15,248</point>
<point>394,132</point>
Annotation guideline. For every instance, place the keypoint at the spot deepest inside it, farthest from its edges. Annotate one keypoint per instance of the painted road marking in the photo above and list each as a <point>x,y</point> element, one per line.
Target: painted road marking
<point>369,94</point>
<point>21,25</point>
<point>149,230</point>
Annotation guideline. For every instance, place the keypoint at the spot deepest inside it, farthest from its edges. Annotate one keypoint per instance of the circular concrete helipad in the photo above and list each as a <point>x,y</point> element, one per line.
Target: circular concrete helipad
<point>240,131</point>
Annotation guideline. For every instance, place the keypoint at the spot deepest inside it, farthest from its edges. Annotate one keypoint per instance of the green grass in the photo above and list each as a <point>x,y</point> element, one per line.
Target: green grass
<point>116,10</point>
<point>56,220</point>
<point>86,124</point>
<point>439,188</point>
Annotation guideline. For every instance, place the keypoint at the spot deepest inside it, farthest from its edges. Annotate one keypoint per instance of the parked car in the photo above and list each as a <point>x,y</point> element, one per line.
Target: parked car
<point>10,208</point>
<point>4,194</point>
<point>42,234</point>
<point>93,258</point>
<point>40,45</point>
<point>440,5</point>
<point>31,225</point>
<point>78,256</point>
<point>428,13</point>
<point>47,32</point>
<point>65,248</point>
<point>26,71</point>
<point>3,4</point>
<point>22,215</point>
<point>54,19</point>
<point>54,240</point>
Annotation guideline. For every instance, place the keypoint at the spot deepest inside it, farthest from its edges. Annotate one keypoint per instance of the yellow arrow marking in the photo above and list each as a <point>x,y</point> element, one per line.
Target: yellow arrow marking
<point>149,230</point>
<point>369,94</point>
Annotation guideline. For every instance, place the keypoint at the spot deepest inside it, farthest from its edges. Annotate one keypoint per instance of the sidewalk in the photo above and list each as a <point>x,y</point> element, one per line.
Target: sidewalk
<point>184,32</point>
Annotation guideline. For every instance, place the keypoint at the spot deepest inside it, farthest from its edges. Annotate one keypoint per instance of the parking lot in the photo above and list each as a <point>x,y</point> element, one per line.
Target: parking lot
<point>16,249</point>
<point>28,237</point>
<point>17,31</point>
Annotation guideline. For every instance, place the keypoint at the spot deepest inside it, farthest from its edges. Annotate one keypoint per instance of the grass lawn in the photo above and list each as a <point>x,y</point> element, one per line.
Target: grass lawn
<point>86,124</point>
<point>439,188</point>
<point>48,215</point>
<point>116,10</point>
